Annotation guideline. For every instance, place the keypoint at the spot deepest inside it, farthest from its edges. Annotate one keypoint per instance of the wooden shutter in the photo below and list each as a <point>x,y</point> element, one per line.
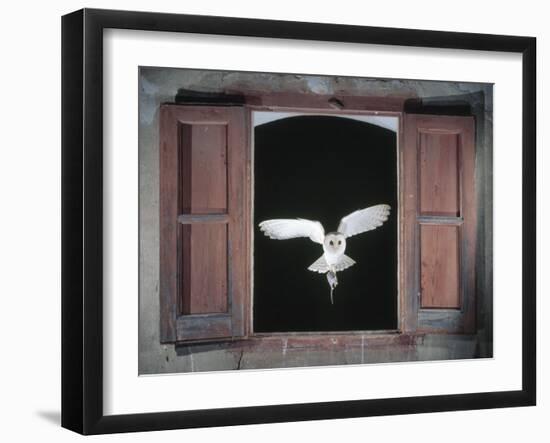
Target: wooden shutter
<point>439,235</point>
<point>204,176</point>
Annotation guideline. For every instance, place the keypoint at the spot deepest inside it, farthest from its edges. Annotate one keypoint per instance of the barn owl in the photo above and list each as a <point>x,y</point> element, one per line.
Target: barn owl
<point>333,259</point>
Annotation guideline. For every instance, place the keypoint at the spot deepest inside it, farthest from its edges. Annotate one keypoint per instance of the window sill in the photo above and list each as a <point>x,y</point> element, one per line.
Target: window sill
<point>295,350</point>
<point>330,340</point>
<point>312,341</point>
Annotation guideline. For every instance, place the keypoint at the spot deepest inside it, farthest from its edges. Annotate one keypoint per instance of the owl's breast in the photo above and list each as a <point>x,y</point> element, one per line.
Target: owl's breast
<point>333,257</point>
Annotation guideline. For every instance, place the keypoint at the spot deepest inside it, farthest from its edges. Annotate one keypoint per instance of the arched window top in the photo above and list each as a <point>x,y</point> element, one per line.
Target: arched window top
<point>384,121</point>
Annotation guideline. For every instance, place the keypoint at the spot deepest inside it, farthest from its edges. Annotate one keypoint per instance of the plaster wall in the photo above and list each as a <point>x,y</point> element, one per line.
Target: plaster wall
<point>160,85</point>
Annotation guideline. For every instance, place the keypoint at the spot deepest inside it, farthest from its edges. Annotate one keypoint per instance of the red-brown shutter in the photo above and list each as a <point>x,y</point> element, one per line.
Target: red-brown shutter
<point>439,233</point>
<point>204,177</point>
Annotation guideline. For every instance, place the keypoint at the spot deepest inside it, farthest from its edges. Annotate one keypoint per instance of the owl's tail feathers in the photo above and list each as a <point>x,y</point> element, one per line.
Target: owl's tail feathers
<point>320,265</point>
<point>344,263</point>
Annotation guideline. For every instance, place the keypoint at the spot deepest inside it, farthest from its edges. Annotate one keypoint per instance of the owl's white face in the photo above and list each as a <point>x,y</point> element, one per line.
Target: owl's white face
<point>335,243</point>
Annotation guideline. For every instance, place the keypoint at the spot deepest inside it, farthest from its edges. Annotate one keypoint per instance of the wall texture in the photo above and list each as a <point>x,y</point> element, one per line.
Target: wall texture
<point>161,85</point>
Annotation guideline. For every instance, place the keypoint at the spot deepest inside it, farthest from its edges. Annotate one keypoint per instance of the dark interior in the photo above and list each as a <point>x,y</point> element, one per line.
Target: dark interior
<point>322,168</point>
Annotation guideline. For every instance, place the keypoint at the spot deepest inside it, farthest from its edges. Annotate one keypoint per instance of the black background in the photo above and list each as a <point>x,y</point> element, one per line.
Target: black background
<point>322,168</point>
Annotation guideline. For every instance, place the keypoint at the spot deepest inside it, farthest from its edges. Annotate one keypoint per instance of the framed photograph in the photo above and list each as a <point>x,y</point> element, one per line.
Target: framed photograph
<point>270,221</point>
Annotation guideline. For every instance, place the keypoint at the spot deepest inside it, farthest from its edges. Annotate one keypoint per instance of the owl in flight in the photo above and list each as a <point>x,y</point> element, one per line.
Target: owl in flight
<point>333,259</point>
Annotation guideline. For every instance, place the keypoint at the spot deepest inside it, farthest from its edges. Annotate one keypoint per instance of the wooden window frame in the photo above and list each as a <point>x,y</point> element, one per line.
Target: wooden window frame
<point>409,324</point>
<point>330,106</point>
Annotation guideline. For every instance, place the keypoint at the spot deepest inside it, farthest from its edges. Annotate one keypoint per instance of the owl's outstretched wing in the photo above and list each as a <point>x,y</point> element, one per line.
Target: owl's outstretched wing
<point>283,229</point>
<point>364,220</point>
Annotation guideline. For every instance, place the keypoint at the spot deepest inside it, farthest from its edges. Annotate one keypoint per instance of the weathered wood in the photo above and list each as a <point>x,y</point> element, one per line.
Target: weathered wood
<point>409,242</point>
<point>427,217</point>
<point>238,207</point>
<point>441,320</point>
<point>439,173</point>
<point>193,327</point>
<point>203,168</point>
<point>281,101</point>
<point>168,213</point>
<point>437,220</point>
<point>470,228</point>
<point>187,219</point>
<point>439,266</point>
<point>205,172</point>
<point>204,282</point>
<point>330,341</point>
<point>239,218</point>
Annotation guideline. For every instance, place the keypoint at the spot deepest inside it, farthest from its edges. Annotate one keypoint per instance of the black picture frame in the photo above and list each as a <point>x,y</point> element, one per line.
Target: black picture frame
<point>82,218</point>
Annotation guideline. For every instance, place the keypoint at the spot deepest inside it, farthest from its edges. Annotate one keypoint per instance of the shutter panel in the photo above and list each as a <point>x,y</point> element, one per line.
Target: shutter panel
<point>203,222</point>
<point>439,223</point>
